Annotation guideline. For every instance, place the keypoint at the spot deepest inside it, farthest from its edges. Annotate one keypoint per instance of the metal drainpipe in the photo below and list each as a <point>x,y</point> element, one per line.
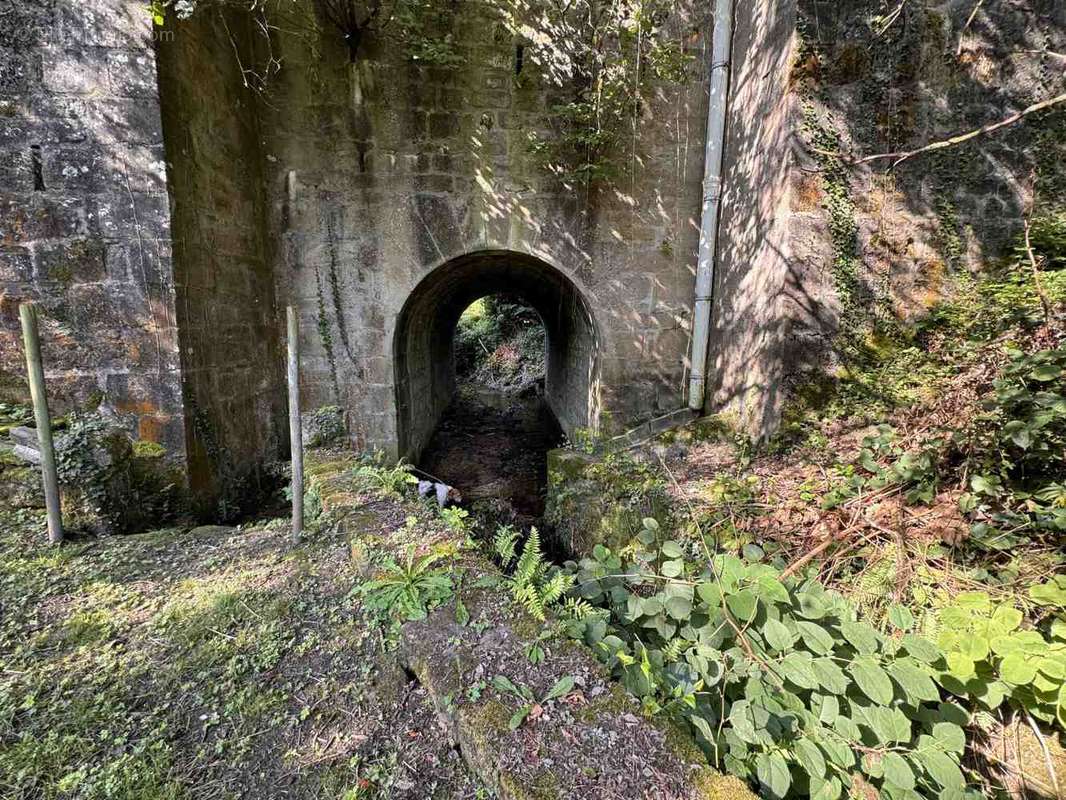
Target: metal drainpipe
<point>721,54</point>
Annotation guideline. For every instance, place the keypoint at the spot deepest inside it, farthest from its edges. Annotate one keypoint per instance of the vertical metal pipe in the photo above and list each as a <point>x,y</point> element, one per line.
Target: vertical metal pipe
<point>714,150</point>
<point>295,431</point>
<point>35,370</point>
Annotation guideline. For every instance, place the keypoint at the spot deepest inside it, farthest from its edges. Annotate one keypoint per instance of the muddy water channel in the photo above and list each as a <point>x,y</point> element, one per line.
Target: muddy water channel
<point>492,446</point>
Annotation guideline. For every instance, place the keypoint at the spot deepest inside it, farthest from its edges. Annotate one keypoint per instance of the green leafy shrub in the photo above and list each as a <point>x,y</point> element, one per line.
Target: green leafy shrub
<point>989,656</point>
<point>385,480</point>
<point>781,682</point>
<point>455,518</point>
<point>1016,452</point>
<point>500,342</point>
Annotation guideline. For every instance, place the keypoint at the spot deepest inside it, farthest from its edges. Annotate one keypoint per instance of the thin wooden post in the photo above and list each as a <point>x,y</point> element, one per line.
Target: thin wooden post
<point>295,431</point>
<point>35,370</point>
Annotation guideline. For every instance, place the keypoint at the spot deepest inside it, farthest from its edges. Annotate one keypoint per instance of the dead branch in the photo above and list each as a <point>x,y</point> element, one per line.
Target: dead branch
<point>902,156</point>
<point>891,19</point>
<point>969,20</point>
<point>1045,304</point>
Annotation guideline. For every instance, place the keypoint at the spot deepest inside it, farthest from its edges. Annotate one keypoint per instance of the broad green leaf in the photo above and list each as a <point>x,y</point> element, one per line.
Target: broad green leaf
<point>777,635</point>
<point>1005,619</point>
<point>848,729</point>
<point>771,589</point>
<point>817,638</point>
<point>797,668</point>
<point>710,593</point>
<point>562,686</point>
<point>742,605</point>
<point>679,608</point>
<point>809,757</point>
<point>897,771</point>
<point>975,646</point>
<point>1046,372</point>
<point>671,569</point>
<point>861,636</point>
<point>1053,667</point>
<point>826,706</point>
<point>901,617</point>
<point>1016,670</point>
<point>811,606</point>
<point>830,676</point>
<point>672,549</point>
<point>960,666</point>
<point>974,601</point>
<point>950,736</point>
<point>1049,594</point>
<point>921,648</point>
<point>519,717</point>
<point>773,774</point>
<point>940,767</point>
<point>915,681</point>
<point>872,680</point>
<point>730,570</point>
<point>830,789</point>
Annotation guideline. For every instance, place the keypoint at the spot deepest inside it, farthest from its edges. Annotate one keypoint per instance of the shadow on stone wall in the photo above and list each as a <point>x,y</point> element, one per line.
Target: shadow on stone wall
<point>886,244</point>
<point>84,219</point>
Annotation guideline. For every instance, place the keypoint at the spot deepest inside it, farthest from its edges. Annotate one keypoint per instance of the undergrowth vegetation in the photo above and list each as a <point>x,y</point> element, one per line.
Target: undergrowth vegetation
<point>499,343</point>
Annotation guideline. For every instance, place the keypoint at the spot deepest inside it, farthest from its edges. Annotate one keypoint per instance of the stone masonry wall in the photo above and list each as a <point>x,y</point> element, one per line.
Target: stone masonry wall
<point>84,220</point>
<point>874,247</point>
<point>758,287</point>
<point>382,170</point>
<point>232,366</point>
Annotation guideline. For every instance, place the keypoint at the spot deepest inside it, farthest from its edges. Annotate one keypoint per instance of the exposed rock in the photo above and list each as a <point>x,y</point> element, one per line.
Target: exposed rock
<point>588,743</point>
<point>24,436</point>
<point>30,455</point>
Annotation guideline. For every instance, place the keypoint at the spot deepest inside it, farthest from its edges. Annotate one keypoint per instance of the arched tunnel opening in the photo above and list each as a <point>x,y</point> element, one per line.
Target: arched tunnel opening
<point>477,408</point>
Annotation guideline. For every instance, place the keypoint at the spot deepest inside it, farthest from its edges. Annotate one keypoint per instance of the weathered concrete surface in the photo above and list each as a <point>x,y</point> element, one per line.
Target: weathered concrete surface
<point>231,362</point>
<point>84,219</point>
<point>752,300</point>
<point>909,234</point>
<point>401,191</point>
<point>379,195</point>
<point>591,744</point>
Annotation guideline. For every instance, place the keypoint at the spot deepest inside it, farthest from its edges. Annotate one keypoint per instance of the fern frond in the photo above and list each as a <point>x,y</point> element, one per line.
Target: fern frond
<point>580,609</point>
<point>673,651</point>
<point>555,588</point>
<point>531,563</point>
<point>530,598</point>
<point>504,544</point>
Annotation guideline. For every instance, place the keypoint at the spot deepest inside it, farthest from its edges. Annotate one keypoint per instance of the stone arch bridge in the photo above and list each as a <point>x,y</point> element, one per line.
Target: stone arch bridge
<point>163,214</point>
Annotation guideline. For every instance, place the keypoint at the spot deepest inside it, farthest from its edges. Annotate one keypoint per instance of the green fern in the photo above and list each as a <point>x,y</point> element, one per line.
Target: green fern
<point>674,650</point>
<point>535,584</point>
<point>580,609</point>
<point>559,584</point>
<point>531,563</point>
<point>504,544</point>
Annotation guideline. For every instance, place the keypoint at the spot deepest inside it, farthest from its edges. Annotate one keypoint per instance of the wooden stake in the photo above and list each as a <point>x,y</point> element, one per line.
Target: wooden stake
<point>295,430</point>
<point>35,370</point>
